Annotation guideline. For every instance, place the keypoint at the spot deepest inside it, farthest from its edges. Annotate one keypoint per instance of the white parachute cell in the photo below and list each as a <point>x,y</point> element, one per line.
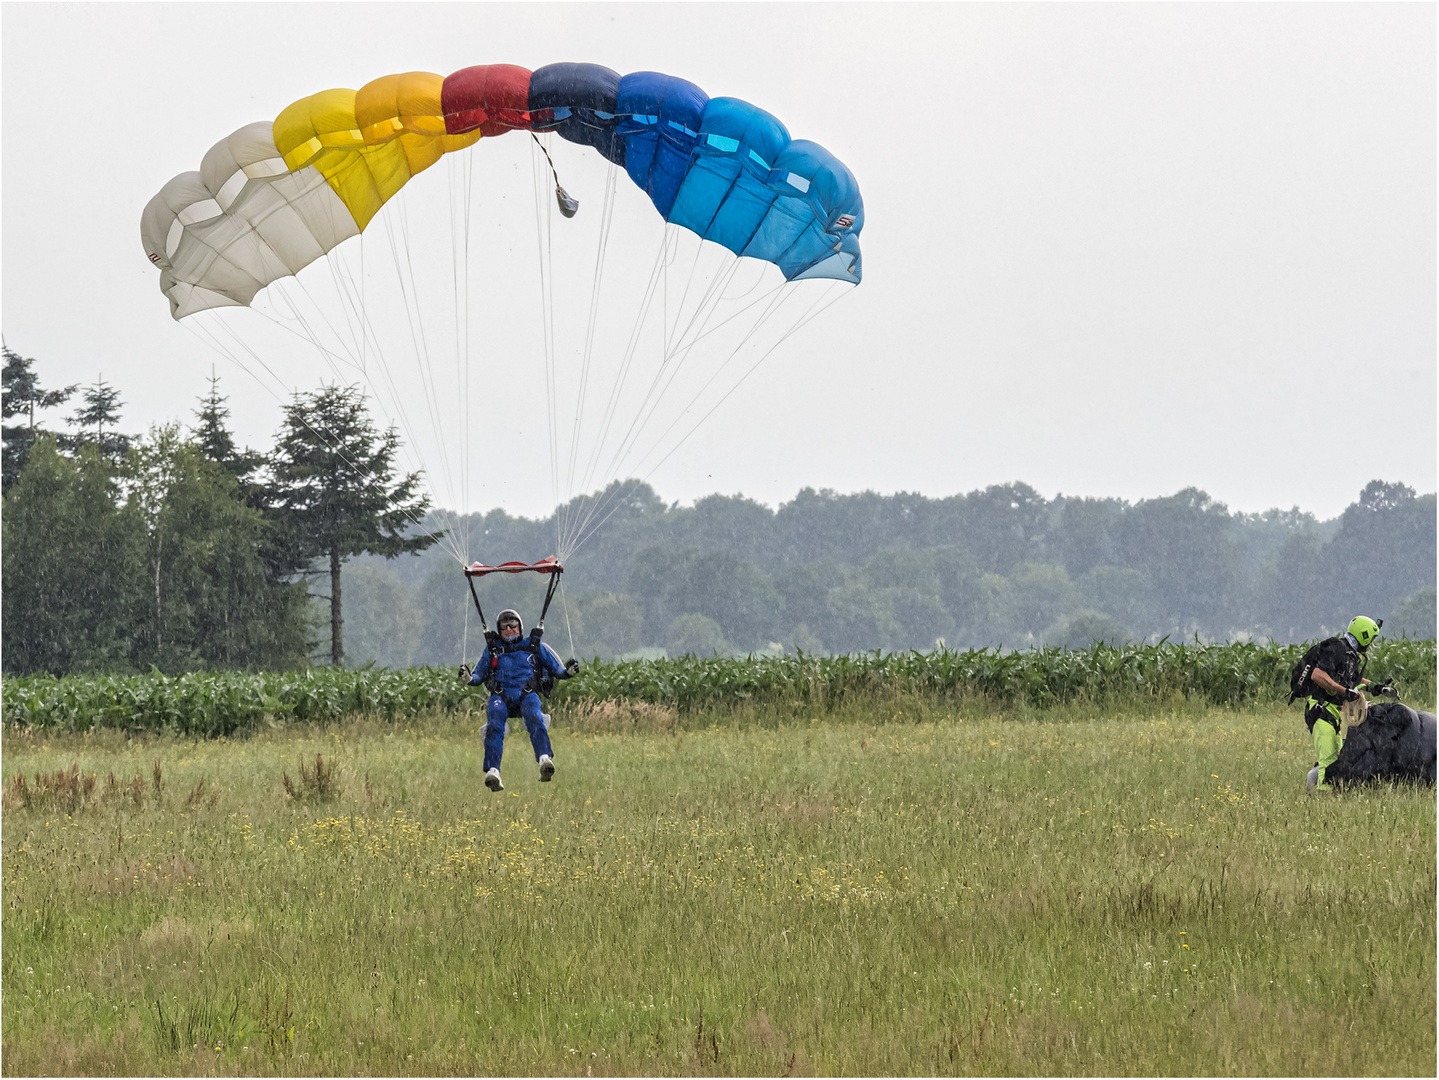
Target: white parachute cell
<point>222,234</point>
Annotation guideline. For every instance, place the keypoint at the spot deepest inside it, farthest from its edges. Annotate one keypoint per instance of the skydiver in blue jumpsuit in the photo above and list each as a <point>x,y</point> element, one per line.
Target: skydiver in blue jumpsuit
<point>510,674</point>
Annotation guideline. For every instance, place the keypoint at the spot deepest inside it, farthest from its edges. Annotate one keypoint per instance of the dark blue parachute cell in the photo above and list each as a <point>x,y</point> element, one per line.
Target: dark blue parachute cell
<point>581,103</point>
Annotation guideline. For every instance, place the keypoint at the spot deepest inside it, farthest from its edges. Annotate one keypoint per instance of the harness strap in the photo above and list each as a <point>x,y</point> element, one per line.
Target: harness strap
<point>537,681</point>
<point>1331,712</point>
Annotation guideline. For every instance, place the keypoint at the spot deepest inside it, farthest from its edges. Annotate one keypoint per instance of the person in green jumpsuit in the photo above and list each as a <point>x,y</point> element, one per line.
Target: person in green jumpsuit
<point>1336,678</point>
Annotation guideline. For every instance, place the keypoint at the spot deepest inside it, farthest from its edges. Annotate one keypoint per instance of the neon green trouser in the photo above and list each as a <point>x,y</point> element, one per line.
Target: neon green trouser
<point>1326,747</point>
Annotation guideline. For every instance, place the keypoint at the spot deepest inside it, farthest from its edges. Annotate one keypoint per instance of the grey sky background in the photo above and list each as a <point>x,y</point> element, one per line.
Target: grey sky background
<point>1110,250</point>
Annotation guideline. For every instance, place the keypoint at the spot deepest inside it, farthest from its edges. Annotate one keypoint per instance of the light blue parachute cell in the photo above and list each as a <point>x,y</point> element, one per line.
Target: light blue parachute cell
<point>730,172</point>
<point>761,194</point>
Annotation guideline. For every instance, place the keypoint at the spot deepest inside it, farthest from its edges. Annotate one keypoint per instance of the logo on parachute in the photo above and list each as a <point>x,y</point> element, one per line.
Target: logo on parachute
<point>844,221</point>
<point>154,258</point>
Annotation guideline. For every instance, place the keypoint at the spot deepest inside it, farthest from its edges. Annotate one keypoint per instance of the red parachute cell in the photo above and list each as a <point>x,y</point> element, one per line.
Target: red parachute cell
<point>492,97</point>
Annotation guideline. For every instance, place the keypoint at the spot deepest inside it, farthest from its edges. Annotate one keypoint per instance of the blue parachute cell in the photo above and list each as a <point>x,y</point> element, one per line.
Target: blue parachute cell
<point>662,116</point>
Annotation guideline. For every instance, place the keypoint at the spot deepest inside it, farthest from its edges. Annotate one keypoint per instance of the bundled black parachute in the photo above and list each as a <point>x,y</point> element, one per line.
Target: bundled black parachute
<point>1394,742</point>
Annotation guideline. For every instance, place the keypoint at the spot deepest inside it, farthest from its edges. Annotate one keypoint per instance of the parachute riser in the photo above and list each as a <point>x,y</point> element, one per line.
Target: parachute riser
<point>484,627</point>
<point>549,595</point>
<point>548,566</point>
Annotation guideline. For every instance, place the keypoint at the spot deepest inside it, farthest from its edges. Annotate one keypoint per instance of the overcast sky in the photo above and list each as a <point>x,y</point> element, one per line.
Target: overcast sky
<point>1110,250</point>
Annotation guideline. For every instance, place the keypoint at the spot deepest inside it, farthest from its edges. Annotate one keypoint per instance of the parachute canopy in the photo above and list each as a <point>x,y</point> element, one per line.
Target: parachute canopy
<point>276,195</point>
<point>1392,742</point>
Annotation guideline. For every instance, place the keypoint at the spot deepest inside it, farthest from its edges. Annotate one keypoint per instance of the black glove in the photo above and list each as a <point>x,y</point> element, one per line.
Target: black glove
<point>1351,695</point>
<point>1383,688</point>
<point>464,673</point>
<point>572,666</point>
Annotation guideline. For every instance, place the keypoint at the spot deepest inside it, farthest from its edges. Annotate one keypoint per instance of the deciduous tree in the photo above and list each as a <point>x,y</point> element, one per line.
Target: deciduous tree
<point>1384,551</point>
<point>73,565</point>
<point>209,601</point>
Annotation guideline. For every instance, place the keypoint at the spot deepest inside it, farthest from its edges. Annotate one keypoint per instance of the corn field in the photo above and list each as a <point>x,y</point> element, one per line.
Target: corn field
<point>1215,674</point>
<point>221,703</point>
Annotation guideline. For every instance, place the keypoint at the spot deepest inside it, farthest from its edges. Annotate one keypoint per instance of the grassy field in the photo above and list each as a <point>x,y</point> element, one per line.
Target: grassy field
<point>887,889</point>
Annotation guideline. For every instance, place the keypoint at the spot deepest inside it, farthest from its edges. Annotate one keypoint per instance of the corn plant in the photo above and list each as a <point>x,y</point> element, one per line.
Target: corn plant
<point>222,703</point>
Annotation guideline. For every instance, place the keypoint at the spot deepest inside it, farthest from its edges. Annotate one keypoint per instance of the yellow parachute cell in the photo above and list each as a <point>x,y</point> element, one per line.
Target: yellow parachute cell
<point>272,197</point>
<point>368,143</point>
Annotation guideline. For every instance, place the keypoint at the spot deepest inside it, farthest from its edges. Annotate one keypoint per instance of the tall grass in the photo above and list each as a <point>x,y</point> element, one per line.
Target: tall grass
<point>922,892</point>
<point>1127,675</point>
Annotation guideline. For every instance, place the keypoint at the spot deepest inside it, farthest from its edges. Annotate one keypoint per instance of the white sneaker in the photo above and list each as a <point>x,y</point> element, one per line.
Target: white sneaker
<point>492,780</point>
<point>547,768</point>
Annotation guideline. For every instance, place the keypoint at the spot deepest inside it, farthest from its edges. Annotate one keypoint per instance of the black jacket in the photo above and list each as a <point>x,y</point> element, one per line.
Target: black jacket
<point>1342,663</point>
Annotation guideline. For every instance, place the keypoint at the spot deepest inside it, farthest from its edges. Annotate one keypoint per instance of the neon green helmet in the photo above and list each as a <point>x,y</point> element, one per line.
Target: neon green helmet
<point>1364,630</point>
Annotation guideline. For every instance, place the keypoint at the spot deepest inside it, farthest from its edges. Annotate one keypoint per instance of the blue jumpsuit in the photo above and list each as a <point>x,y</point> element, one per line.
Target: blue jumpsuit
<point>512,674</point>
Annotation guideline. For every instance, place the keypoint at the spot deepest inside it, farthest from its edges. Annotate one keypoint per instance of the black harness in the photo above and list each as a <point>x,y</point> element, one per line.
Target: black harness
<point>541,680</point>
<point>1348,669</point>
<point>1320,704</point>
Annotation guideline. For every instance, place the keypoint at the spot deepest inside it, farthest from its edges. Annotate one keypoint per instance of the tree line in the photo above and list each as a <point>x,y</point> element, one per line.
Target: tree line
<point>179,550</point>
<point>1001,567</point>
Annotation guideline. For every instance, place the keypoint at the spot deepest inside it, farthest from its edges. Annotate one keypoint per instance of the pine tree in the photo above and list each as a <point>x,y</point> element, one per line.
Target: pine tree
<point>336,493</point>
<point>22,396</point>
<point>213,439</point>
<point>216,443</point>
<point>100,411</point>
